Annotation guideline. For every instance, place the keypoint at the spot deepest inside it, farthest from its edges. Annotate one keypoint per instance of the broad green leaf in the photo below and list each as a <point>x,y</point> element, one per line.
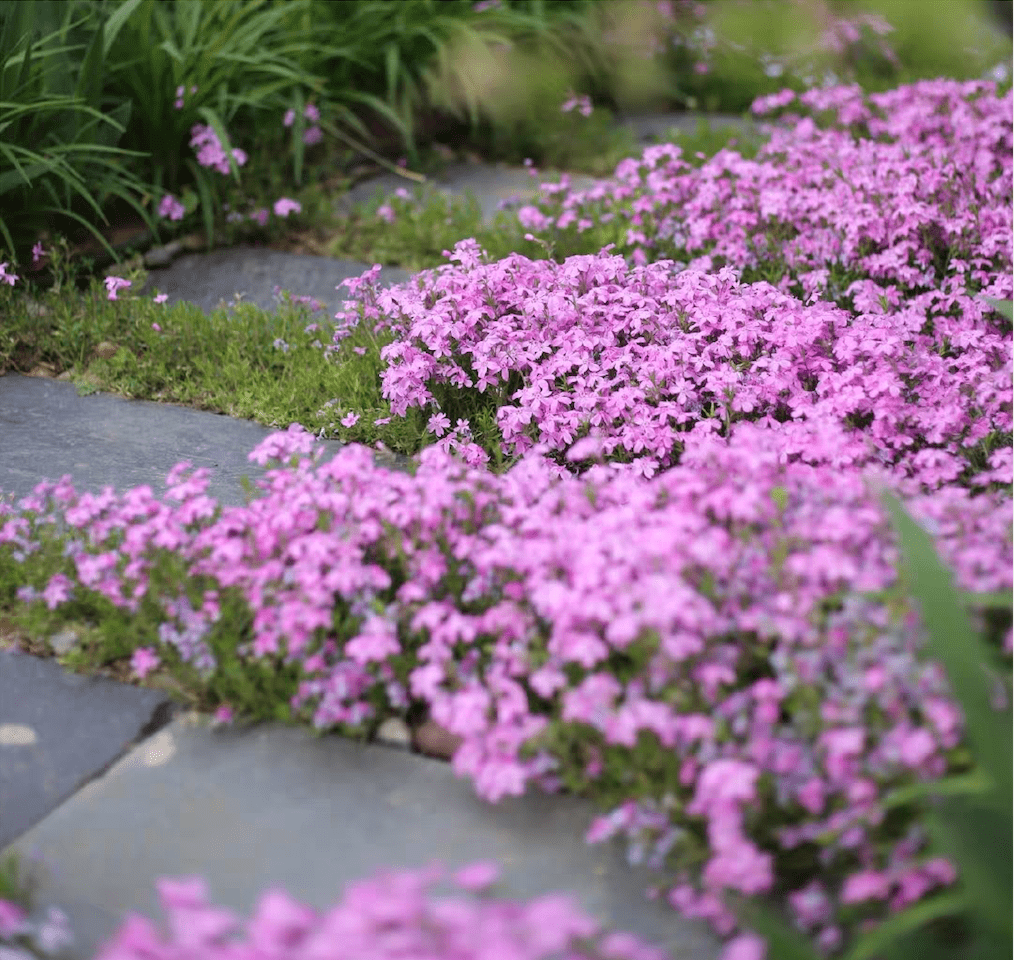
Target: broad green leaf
<point>952,640</point>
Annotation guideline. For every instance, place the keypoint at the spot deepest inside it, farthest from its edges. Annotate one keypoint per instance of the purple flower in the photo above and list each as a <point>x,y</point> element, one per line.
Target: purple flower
<point>143,661</point>
<point>170,207</point>
<point>5,277</point>
<point>284,206</point>
<point>13,920</point>
<point>114,285</point>
<point>58,590</point>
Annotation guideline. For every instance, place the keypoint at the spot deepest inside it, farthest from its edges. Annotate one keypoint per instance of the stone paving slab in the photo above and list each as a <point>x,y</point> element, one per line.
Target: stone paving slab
<point>212,279</point>
<point>48,430</point>
<point>275,805</point>
<point>58,730</point>
<point>490,185</point>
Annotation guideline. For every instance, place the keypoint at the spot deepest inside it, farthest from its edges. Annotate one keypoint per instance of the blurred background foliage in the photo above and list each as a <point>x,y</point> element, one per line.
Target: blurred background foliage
<point>99,98</point>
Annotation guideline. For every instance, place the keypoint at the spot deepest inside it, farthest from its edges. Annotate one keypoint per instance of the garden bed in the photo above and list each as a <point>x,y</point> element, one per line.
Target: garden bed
<point>641,555</point>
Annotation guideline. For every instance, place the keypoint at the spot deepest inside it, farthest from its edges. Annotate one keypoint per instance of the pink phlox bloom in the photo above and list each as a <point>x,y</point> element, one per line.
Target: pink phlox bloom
<point>284,206</point>
<point>9,278</point>
<point>59,590</point>
<point>746,946</point>
<point>376,641</point>
<point>114,285</point>
<point>866,885</point>
<point>144,660</point>
<point>724,782</point>
<point>280,923</point>
<point>13,920</point>
<point>223,714</point>
<point>477,876</point>
<point>170,207</point>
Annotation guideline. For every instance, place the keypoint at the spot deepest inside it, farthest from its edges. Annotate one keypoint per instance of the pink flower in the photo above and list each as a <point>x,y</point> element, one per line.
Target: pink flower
<point>13,920</point>
<point>290,118</point>
<point>160,298</point>
<point>171,207</point>
<point>865,885</point>
<point>747,946</point>
<point>37,252</point>
<point>477,876</point>
<point>438,424</point>
<point>223,715</point>
<point>114,285</point>
<point>312,135</point>
<point>5,277</point>
<point>144,661</point>
<point>284,206</point>
<point>349,420</point>
<point>210,152</point>
<point>280,923</point>
<point>386,213</point>
<point>583,105</point>
<point>57,591</point>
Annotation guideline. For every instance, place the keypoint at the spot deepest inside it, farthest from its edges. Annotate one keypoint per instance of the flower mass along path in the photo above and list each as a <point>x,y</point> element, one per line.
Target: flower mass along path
<point>677,592</point>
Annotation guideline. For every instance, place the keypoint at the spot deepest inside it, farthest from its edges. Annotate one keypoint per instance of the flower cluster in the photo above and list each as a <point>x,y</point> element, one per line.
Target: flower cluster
<point>389,916</point>
<point>312,134</point>
<point>714,616</point>
<point>210,152</point>
<point>683,594</point>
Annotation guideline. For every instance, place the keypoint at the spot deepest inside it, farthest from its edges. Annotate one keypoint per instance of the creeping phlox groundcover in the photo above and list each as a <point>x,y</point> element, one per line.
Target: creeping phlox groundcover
<point>682,596</point>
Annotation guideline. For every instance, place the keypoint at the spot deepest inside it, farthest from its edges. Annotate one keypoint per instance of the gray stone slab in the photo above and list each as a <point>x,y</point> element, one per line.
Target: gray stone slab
<point>652,128</point>
<point>490,185</point>
<point>48,430</point>
<point>273,805</point>
<point>212,279</point>
<point>58,730</point>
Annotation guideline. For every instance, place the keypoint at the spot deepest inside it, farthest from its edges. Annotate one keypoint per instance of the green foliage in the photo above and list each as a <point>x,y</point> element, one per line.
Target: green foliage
<point>60,163</point>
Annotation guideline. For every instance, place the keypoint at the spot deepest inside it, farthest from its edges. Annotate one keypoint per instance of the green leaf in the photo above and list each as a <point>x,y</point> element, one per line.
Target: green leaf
<point>966,784</point>
<point>116,21</point>
<point>953,641</point>
<point>977,837</point>
<point>886,941</point>
<point>1006,307</point>
<point>91,75</point>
